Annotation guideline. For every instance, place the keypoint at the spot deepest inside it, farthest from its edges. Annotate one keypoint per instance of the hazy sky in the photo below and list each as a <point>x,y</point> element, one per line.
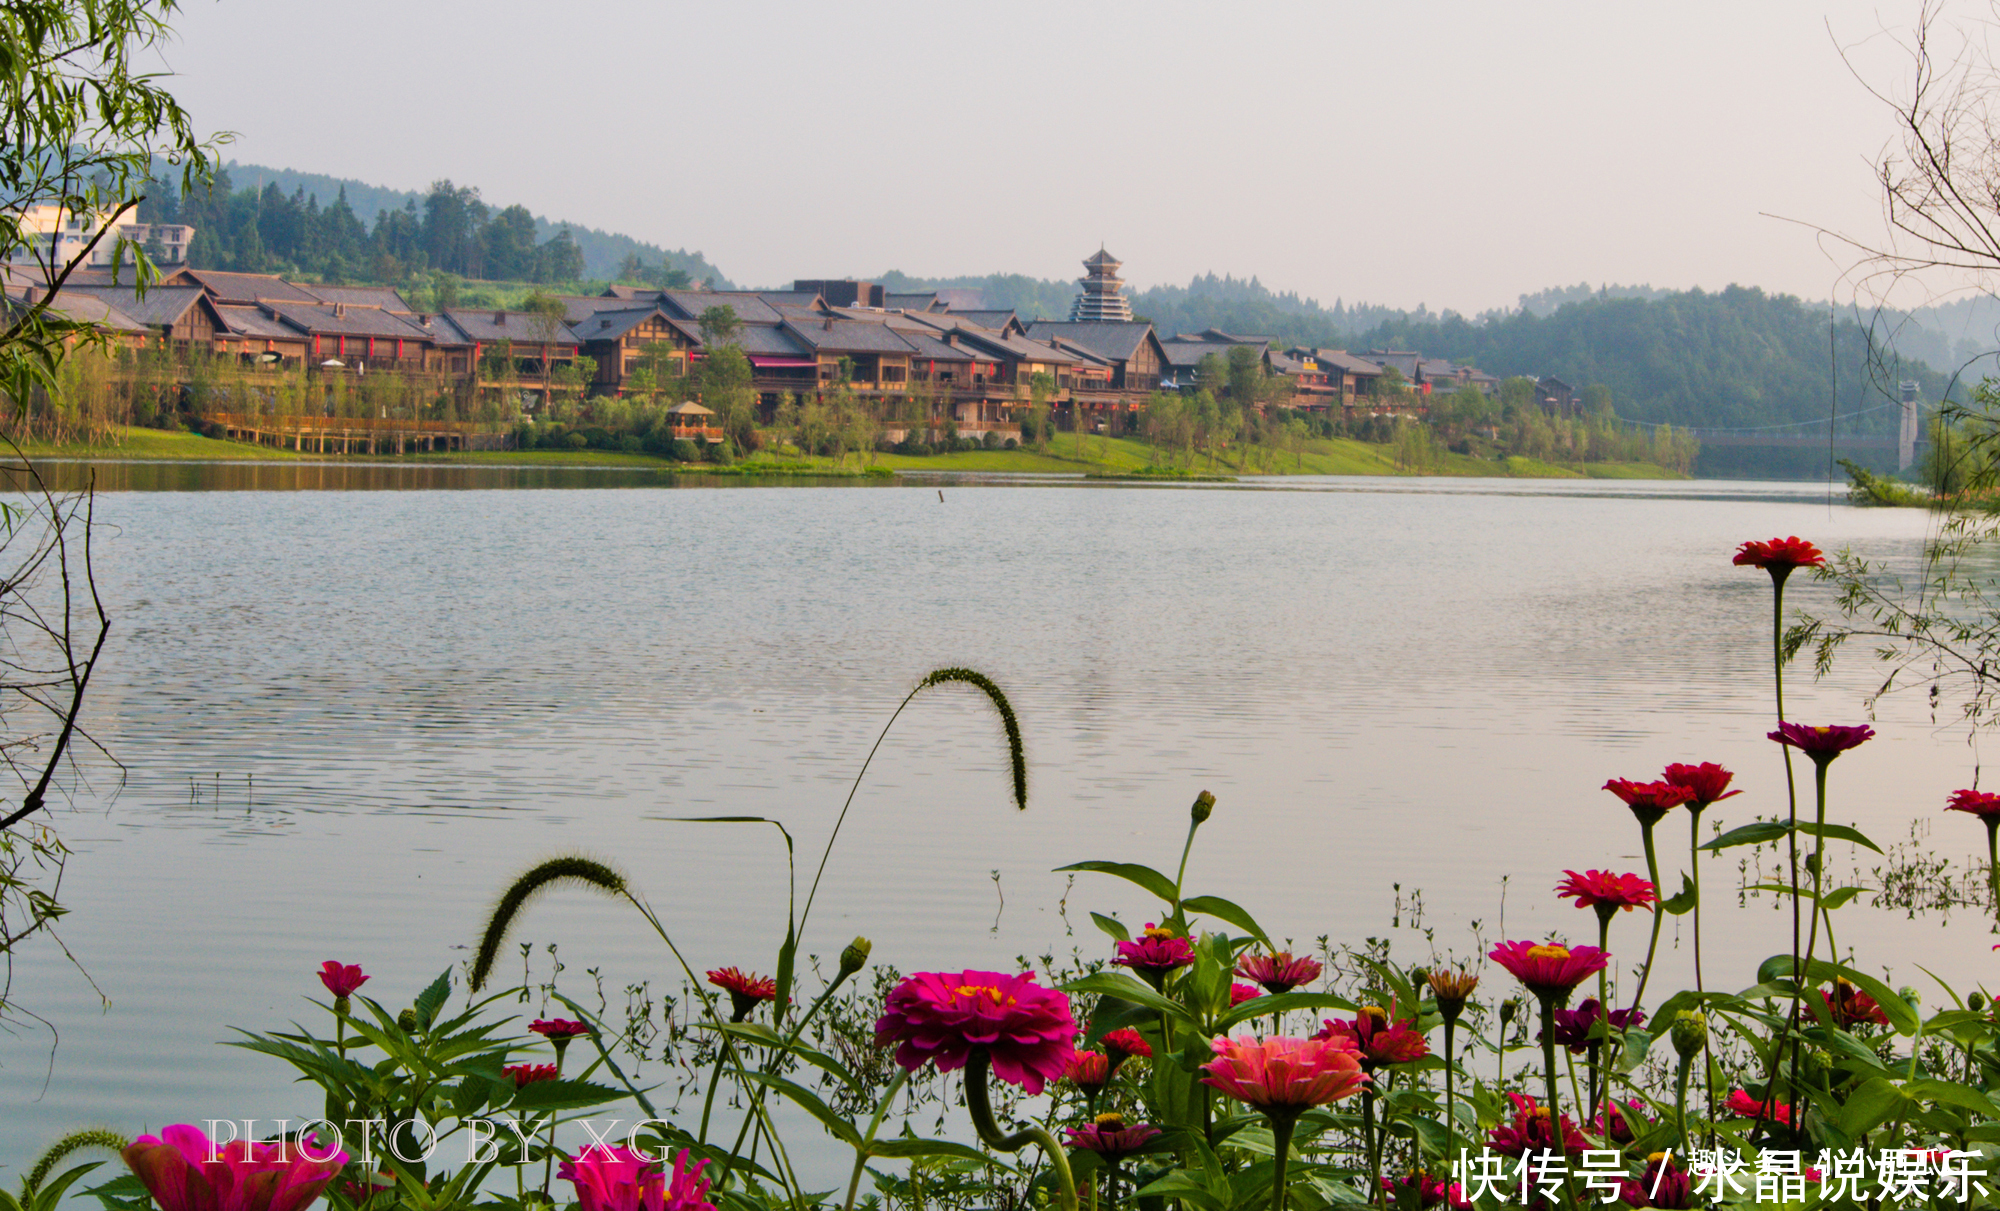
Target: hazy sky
<point>1400,151</point>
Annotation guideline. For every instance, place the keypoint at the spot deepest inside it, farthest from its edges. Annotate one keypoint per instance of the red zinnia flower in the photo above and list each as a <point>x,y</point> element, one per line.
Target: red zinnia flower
<point>1239,993</point>
<point>558,1028</point>
<point>528,1074</point>
<point>1595,887</point>
<point>1662,1185</point>
<point>1984,804</point>
<point>1123,1044</point>
<point>1550,969</point>
<point>1284,1075</point>
<point>1377,1040</point>
<point>1779,556</point>
<point>613,1178</point>
<point>183,1171</point>
<point>341,981</point>
<point>1649,800</point>
<point>1429,1190</point>
<point>1530,1132</point>
<point>1745,1106</point>
<point>1089,1071</point>
<point>1850,1007</point>
<point>1157,952</point>
<point>1278,972</point>
<point>1026,1029</point>
<point>1822,744</point>
<point>1110,1138</point>
<point>1622,1116</point>
<point>745,991</point>
<point>1705,783</point>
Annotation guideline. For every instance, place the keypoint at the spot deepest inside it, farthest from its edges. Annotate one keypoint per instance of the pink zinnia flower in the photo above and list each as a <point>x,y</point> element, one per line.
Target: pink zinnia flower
<point>341,981</point>
<point>1779,556</point>
<point>1530,1131</point>
<point>1649,800</point>
<point>1089,1071</point>
<point>1239,993</point>
<point>1550,969</point>
<point>1822,744</point>
<point>1156,952</point>
<point>746,992</point>
<point>1984,804</point>
<point>558,1028</point>
<point>1705,783</point>
<point>1278,973</point>
<point>1122,1044</point>
<point>1622,1115</point>
<point>1377,1040</point>
<point>1430,1191</point>
<point>528,1074</point>
<point>945,1016</point>
<point>1745,1106</point>
<point>1284,1074</point>
<point>1667,1191</point>
<point>176,1169</point>
<point>616,1178</point>
<point>1594,887</point>
<point>1574,1027</point>
<point>1110,1138</point>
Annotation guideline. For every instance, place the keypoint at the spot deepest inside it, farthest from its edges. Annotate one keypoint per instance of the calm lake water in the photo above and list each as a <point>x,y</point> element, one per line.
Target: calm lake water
<point>349,716</point>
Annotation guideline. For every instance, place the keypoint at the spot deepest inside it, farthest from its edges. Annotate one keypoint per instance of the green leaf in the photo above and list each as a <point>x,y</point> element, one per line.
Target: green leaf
<point>1869,1107</point>
<point>563,1095</point>
<point>1951,1093</point>
<point>1837,832</point>
<point>1283,1002</point>
<point>787,957</point>
<point>809,1101</point>
<point>1750,834</point>
<point>469,1095</point>
<point>1839,896</point>
<point>1637,1042</point>
<point>1112,926</point>
<point>432,999</point>
<point>1223,910</point>
<point>1145,876</point>
<point>1129,988</point>
<point>919,1147</point>
<point>1682,901</point>
<point>1899,1013</point>
<point>764,1036</point>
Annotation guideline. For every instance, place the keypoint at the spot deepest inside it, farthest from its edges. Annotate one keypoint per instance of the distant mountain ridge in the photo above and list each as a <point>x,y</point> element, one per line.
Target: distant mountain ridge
<point>603,251</point>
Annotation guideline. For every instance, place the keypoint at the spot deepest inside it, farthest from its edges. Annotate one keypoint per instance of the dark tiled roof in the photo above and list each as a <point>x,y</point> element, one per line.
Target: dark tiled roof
<point>1017,348</point>
<point>768,340</point>
<point>1188,354</point>
<point>581,307</point>
<point>245,287</point>
<point>750,308</point>
<point>521,327</point>
<point>1346,363</point>
<point>925,346</point>
<point>388,298</point>
<point>848,336</point>
<point>1106,338</point>
<point>252,321</point>
<point>988,319</point>
<point>87,308</point>
<point>925,301</point>
<point>613,325</point>
<point>162,306</point>
<point>351,321</point>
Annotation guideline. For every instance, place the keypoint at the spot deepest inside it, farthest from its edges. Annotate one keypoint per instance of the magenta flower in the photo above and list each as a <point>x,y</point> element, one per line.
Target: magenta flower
<point>1550,969</point>
<point>946,1016</point>
<point>1277,973</point>
<point>1705,783</point>
<point>1284,1074</point>
<point>558,1028</point>
<point>613,1178</point>
<point>341,981</point>
<point>1822,744</point>
<point>1779,556</point>
<point>1430,1191</point>
<point>1649,800</point>
<point>1376,1039</point>
<point>1089,1071</point>
<point>745,991</point>
<point>528,1074</point>
<point>1621,1116</point>
<point>1984,804</point>
<point>1595,887</point>
<point>1666,1190</point>
<point>1124,1043</point>
<point>1239,993</point>
<point>1157,952</point>
<point>176,1168</point>
<point>1110,1138</point>
<point>1574,1027</point>
<point>1530,1133</point>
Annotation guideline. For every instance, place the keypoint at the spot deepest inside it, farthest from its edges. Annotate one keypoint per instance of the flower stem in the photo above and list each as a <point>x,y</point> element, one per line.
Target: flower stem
<point>1373,1140</point>
<point>979,1105</point>
<point>1652,943</point>
<point>1450,1068</point>
<point>1694,862</point>
<point>1549,1085</point>
<point>1281,1151</point>
<point>1603,1050</point>
<point>1993,859</point>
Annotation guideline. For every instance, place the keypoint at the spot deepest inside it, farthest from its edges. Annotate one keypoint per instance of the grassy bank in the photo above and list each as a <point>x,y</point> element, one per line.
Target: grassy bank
<point>1065,454</point>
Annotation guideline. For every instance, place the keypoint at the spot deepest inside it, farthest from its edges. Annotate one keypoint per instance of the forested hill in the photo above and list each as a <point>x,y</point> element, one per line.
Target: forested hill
<point>243,192</point>
<point>1734,357</point>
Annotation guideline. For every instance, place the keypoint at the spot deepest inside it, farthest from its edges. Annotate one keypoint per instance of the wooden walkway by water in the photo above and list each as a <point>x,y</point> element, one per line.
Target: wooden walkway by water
<point>356,434</point>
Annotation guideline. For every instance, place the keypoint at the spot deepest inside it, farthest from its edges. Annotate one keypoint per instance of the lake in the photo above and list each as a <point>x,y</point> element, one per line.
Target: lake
<point>349,716</point>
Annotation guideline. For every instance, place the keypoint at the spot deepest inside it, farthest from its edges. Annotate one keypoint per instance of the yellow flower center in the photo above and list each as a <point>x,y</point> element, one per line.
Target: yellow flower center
<point>1110,1118</point>
<point>1655,1158</point>
<point>1154,931</point>
<point>1822,730</point>
<point>1549,951</point>
<point>985,990</point>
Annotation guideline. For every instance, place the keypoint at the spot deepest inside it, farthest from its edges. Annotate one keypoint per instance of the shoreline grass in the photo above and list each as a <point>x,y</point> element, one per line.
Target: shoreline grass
<point>1093,456</point>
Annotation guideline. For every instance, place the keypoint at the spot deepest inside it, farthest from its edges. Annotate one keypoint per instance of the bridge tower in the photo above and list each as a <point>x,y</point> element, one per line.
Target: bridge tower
<point>1906,439</point>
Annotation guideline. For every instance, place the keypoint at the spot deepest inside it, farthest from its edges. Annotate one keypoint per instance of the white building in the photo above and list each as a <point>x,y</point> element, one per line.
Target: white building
<point>65,235</point>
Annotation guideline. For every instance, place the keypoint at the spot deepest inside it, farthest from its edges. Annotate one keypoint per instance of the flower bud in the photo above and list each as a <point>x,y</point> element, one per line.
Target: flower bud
<point>1204,807</point>
<point>407,1021</point>
<point>1451,988</point>
<point>1813,1068</point>
<point>341,1006</point>
<point>1509,1010</point>
<point>1974,1001</point>
<point>1690,1033</point>
<point>855,956</point>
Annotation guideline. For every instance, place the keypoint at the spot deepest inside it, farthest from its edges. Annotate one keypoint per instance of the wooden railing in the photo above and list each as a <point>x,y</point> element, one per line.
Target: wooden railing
<point>353,424</point>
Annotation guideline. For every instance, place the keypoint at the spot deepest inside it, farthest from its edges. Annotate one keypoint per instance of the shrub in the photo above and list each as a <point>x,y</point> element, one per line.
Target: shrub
<point>685,451</point>
<point>630,444</point>
<point>718,453</point>
<point>992,440</point>
<point>1010,444</point>
<point>576,441</point>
